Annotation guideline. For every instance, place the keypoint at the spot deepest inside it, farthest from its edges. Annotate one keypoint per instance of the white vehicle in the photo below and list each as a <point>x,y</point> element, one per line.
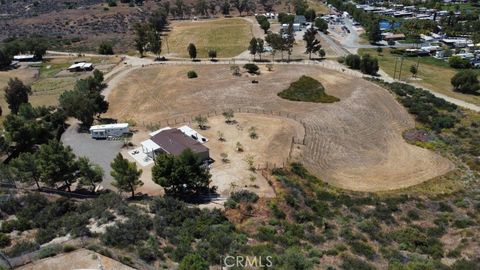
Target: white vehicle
<point>110,130</point>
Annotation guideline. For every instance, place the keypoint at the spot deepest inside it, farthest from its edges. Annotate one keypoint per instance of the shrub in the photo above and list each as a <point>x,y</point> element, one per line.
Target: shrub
<point>363,249</point>
<point>105,48</point>
<point>251,68</point>
<point>307,89</point>
<point>4,240</point>
<point>244,196</point>
<point>413,214</point>
<point>21,248</point>
<point>351,263</point>
<point>49,251</point>
<point>463,223</point>
<point>192,74</point>
<point>68,248</point>
<point>353,61</point>
<point>458,62</point>
<point>466,81</point>
<point>193,262</point>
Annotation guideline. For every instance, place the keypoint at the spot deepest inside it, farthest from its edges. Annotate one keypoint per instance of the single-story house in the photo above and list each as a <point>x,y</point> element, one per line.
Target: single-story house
<point>173,141</point>
<point>82,66</point>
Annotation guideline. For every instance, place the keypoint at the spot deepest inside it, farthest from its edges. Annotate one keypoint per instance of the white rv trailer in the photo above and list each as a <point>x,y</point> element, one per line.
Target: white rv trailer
<point>110,130</point>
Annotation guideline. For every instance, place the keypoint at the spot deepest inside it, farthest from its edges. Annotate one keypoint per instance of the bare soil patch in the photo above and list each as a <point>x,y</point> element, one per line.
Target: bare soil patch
<point>79,259</point>
<point>355,143</point>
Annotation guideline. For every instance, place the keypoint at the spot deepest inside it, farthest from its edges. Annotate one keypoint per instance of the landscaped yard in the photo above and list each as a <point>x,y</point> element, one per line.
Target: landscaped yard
<point>229,37</point>
<point>433,73</point>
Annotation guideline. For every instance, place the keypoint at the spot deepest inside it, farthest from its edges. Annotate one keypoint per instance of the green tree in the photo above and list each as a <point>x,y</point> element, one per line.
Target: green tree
<point>275,41</point>
<point>353,61</point>
<point>105,48</point>
<point>466,81</point>
<point>265,25</point>
<point>226,8</point>
<point>192,51</point>
<point>369,65</point>
<point>154,42</point>
<point>413,70</point>
<point>310,15</point>
<point>260,47</point>
<point>5,60</point>
<point>252,47</point>
<point>289,41</point>
<point>321,24</point>
<point>86,100</point>
<point>374,32</point>
<point>212,53</point>
<point>56,164</point>
<point>90,174</point>
<point>181,174</point>
<point>25,167</point>
<point>193,262</point>
<point>300,7</point>
<point>312,44</point>
<point>141,37</point>
<point>16,93</point>
<point>125,174</point>
<point>158,20</point>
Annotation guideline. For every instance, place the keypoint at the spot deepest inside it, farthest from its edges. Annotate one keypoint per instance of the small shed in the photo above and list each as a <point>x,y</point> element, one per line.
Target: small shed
<point>82,66</point>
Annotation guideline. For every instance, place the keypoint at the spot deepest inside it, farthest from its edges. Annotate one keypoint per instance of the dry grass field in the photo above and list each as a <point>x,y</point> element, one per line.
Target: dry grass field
<point>432,73</point>
<point>50,79</point>
<point>229,37</point>
<point>355,143</point>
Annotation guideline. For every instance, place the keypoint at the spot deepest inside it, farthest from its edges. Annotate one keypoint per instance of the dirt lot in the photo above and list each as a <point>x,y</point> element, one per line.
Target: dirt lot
<point>355,143</point>
<point>229,37</point>
<point>79,259</point>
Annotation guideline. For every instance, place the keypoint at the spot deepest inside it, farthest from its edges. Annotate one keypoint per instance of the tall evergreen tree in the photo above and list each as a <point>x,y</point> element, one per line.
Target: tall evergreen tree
<point>192,51</point>
<point>16,93</point>
<point>252,47</point>
<point>312,44</point>
<point>57,164</point>
<point>126,175</point>
<point>374,32</point>
<point>90,174</point>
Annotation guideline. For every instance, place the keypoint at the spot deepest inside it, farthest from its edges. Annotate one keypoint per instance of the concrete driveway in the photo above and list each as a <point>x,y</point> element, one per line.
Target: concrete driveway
<point>101,152</point>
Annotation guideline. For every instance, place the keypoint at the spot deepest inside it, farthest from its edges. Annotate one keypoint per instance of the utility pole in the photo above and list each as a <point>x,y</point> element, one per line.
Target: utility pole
<point>400,72</point>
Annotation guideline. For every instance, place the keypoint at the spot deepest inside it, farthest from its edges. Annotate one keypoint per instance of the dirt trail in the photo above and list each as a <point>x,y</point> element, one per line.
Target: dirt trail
<point>355,143</point>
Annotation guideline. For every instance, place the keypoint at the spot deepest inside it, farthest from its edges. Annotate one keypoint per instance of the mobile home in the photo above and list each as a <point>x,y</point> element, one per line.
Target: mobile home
<point>110,130</point>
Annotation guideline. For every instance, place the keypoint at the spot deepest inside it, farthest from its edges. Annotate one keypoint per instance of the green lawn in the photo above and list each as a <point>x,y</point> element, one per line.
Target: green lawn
<point>229,37</point>
<point>432,73</point>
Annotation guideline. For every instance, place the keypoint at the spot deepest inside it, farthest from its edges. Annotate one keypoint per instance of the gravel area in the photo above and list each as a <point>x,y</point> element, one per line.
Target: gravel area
<point>101,152</point>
